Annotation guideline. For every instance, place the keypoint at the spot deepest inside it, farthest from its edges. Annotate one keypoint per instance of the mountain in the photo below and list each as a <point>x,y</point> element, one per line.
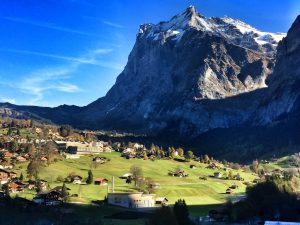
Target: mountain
<point>217,83</point>
<point>273,128</point>
<point>175,67</point>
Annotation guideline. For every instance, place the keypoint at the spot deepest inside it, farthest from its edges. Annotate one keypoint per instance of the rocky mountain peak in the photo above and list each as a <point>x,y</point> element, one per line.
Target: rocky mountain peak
<point>233,30</point>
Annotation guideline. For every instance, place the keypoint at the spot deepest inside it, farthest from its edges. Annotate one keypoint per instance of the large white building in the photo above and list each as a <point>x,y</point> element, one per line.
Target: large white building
<point>82,148</point>
<point>131,200</point>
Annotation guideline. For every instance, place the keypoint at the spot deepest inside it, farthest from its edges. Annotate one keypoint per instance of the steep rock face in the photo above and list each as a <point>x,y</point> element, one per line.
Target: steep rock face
<point>282,97</point>
<point>176,66</point>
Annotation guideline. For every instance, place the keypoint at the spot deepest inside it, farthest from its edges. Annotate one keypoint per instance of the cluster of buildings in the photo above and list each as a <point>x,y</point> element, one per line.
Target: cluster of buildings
<point>72,149</point>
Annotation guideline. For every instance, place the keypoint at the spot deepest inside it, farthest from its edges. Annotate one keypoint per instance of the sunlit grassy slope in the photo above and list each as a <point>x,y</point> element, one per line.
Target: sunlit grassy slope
<point>194,190</point>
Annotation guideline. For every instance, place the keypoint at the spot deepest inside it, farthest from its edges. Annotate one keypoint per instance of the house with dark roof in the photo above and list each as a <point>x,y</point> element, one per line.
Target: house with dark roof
<point>100,181</point>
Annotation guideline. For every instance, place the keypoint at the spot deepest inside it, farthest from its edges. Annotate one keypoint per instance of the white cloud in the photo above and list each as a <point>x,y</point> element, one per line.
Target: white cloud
<point>90,58</point>
<point>55,78</point>
<point>70,88</point>
<point>112,24</point>
<point>106,22</point>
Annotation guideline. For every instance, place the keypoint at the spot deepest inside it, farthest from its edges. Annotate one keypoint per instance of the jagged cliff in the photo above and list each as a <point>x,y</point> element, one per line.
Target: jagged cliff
<point>176,66</point>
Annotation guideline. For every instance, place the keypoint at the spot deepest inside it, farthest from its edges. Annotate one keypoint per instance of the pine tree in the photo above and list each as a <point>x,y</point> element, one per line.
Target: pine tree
<point>64,192</point>
<point>181,212</point>
<point>21,177</point>
<point>90,178</point>
<point>10,131</point>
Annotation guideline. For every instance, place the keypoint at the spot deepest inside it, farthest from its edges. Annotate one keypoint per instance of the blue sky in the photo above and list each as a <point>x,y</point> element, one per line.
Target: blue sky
<point>57,52</point>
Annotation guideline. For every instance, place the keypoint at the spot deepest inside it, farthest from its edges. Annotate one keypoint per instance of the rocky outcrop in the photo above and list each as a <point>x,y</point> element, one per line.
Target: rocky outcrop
<point>282,97</point>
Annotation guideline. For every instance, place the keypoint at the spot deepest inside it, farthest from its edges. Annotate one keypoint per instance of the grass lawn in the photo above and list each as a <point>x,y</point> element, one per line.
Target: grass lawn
<point>195,191</point>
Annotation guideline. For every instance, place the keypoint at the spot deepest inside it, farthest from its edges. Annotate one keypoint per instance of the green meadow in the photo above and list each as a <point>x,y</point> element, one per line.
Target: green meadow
<point>195,191</point>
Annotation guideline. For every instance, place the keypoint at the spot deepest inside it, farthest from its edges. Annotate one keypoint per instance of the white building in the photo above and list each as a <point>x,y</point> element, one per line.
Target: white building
<point>71,156</point>
<point>131,200</point>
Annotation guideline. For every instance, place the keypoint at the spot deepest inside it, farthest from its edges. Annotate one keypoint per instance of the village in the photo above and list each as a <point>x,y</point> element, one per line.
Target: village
<point>29,151</point>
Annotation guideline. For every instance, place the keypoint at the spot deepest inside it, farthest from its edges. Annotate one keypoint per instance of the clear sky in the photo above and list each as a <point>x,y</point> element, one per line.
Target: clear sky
<point>71,51</point>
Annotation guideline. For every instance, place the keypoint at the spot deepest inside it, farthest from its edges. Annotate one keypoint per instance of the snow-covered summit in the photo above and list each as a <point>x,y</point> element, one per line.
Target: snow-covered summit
<point>260,36</point>
<point>234,30</point>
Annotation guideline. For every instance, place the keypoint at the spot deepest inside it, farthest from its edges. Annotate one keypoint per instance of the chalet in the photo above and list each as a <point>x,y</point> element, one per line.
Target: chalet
<point>99,159</point>
<point>180,173</point>
<point>213,166</point>
<point>193,167</point>
<point>131,200</point>
<point>154,185</point>
<point>21,159</point>
<point>138,146</point>
<point>16,187</point>
<point>116,145</point>
<point>127,151</point>
<point>76,179</point>
<point>4,176</point>
<point>107,149</point>
<point>234,186</point>
<point>229,191</point>
<point>13,175</point>
<point>8,166</point>
<point>217,175</point>
<point>126,176</point>
<point>49,198</point>
<point>26,156</point>
<point>31,185</point>
<point>255,181</point>
<point>7,155</point>
<point>246,183</point>
<point>60,188</point>
<point>43,184</point>
<point>101,181</point>
<point>161,201</point>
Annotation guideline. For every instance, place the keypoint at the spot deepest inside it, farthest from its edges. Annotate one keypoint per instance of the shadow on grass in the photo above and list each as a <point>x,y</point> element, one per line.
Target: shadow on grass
<point>202,210</point>
<point>21,211</point>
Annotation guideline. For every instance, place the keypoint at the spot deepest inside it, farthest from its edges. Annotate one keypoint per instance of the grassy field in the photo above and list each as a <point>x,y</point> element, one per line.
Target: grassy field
<point>195,191</point>
<point>200,195</point>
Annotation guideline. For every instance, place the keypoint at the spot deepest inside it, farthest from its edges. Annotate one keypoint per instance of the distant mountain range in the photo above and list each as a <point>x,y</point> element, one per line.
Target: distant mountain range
<point>214,83</point>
